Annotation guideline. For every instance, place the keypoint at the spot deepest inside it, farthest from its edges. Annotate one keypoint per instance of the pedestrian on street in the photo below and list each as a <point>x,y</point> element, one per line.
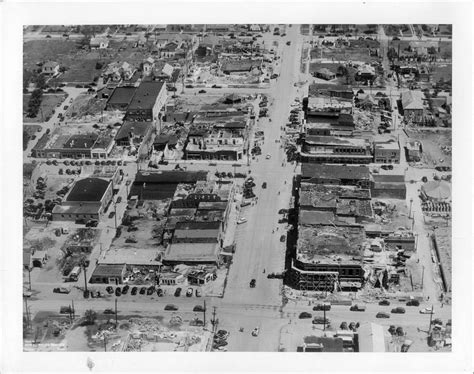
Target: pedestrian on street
<point>442,304</point>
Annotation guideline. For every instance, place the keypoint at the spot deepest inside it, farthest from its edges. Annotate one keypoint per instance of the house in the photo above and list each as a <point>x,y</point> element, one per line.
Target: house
<point>365,72</point>
<point>99,43</point>
<point>87,200</point>
<point>412,106</point>
<point>148,100</point>
<point>50,68</point>
<point>325,74</point>
<point>148,66</point>
<point>389,186</point>
<point>387,152</point>
<point>347,175</point>
<point>371,338</point>
<point>414,151</point>
<point>171,278</point>
<point>199,277</point>
<point>117,71</point>
<point>108,274</point>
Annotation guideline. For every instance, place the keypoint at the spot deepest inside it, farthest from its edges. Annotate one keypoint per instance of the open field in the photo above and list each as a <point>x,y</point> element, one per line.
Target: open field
<point>35,51</point>
<point>85,105</point>
<point>48,103</point>
<point>343,54</point>
<point>432,141</point>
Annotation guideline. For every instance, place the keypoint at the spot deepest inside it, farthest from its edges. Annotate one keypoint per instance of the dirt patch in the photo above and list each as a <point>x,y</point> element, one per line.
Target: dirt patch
<point>85,105</point>
<point>436,145</point>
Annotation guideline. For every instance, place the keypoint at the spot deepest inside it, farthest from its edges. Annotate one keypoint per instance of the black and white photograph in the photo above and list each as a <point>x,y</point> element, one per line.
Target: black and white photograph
<point>241,187</point>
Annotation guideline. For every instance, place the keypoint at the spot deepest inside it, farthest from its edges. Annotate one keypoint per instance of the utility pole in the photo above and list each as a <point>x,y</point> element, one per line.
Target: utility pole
<point>73,310</point>
<point>115,215</point>
<point>324,314</point>
<point>105,342</point>
<point>85,275</point>
<point>116,323</point>
<point>422,276</point>
<point>29,278</point>
<point>431,319</point>
<point>411,281</point>
<point>411,203</point>
<point>204,313</point>
<point>27,313</point>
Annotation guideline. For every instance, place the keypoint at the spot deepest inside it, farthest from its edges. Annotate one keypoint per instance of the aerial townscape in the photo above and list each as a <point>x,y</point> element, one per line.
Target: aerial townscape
<point>237,187</point>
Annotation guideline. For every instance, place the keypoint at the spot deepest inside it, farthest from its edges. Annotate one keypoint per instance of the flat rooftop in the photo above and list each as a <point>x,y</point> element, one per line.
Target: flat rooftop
<point>131,256</point>
<point>334,140</point>
<point>122,96</point>
<point>309,170</point>
<point>329,244</point>
<point>88,189</point>
<point>192,252</point>
<point>146,95</point>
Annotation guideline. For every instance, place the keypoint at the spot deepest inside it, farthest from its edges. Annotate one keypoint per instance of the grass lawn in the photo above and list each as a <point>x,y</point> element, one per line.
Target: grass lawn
<point>85,105</point>
<point>48,103</point>
<point>343,54</point>
<point>49,49</point>
<point>444,71</point>
<point>81,71</point>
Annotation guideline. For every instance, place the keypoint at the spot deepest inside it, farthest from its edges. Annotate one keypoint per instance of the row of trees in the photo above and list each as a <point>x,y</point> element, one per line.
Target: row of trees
<point>34,103</point>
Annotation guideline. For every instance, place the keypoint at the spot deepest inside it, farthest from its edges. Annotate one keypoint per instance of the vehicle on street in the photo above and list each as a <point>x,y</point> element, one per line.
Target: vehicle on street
<point>110,290</point>
<point>413,303</point>
<point>118,291</point>
<point>384,302</point>
<point>288,42</point>
<point>177,292</point>
<point>244,203</point>
<point>109,311</point>
<point>61,290</point>
<point>382,315</point>
<point>119,199</point>
<point>134,290</point>
<point>27,293</point>
<point>202,91</point>
<point>125,289</point>
<point>216,86</point>
<point>398,310</point>
<point>357,308</point>
<point>320,321</point>
<point>323,306</point>
<point>304,315</point>
<point>111,214</point>
<point>282,238</point>
<point>143,291</point>
<point>189,292</point>
<point>274,76</point>
<point>268,156</point>
<point>428,310</point>
<point>159,292</point>
<point>255,331</point>
<point>65,310</point>
<point>387,167</point>
<point>242,220</point>
<point>253,283</point>
<point>150,290</point>
<point>264,185</point>
<point>198,308</point>
<point>171,307</point>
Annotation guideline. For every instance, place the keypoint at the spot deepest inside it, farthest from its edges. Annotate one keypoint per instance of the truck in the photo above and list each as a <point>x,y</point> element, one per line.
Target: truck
<point>74,274</point>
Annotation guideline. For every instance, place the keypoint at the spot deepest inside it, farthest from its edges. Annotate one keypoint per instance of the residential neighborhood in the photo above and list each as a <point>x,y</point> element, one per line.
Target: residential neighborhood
<point>237,188</point>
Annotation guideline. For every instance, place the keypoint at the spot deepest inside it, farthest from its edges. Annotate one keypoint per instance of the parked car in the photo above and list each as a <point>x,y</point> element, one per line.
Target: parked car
<point>109,311</point>
<point>198,308</point>
<point>282,238</point>
<point>125,289</point>
<point>159,292</point>
<point>110,290</point>
<point>255,331</point>
<point>216,86</point>
<point>253,283</point>
<point>189,292</point>
<point>171,307</point>
<point>143,291</point>
<point>150,290</point>
<point>118,291</point>
<point>323,306</point>
<point>387,167</point>
<point>264,185</point>
<point>398,310</point>
<point>413,303</point>
<point>61,290</point>
<point>119,199</point>
<point>241,220</point>
<point>189,86</point>
<point>382,315</point>
<point>384,302</point>
<point>305,315</point>
<point>202,91</point>
<point>427,311</point>
<point>177,292</point>
<point>357,308</point>
<point>134,290</point>
<point>288,42</point>
<point>320,321</point>
<point>111,214</point>
<point>268,156</point>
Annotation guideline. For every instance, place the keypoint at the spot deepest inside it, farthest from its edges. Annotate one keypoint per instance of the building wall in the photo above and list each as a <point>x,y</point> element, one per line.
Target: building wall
<point>392,193</point>
<point>74,216</point>
<point>387,156</point>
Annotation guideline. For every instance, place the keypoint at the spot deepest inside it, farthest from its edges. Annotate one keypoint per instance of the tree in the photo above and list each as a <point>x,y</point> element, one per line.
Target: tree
<point>90,316</point>
<point>40,81</point>
<point>392,54</point>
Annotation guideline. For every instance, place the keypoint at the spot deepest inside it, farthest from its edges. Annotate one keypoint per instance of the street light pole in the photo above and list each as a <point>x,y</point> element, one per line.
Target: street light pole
<point>29,278</point>
<point>431,319</point>
<point>116,312</point>
<point>422,276</point>
<point>85,276</point>
<point>411,203</point>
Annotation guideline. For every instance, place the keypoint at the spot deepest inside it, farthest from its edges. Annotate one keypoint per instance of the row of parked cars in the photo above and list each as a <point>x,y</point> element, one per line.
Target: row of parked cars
<point>150,291</point>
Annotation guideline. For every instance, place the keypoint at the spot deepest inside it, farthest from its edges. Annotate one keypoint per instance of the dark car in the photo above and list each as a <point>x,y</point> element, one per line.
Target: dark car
<point>253,283</point>
<point>119,199</point>
<point>111,214</point>
<point>282,238</point>
<point>118,291</point>
<point>171,307</point>
<point>109,311</point>
<point>159,292</point>
<point>189,86</point>
<point>320,321</point>
<point>264,185</point>
<point>323,306</point>
<point>65,310</point>
<point>384,302</point>
<point>216,86</point>
<point>357,308</point>
<point>198,308</point>
<point>125,289</point>
<point>304,315</point>
<point>413,303</point>
<point>61,290</point>
<point>134,290</point>
<point>202,91</point>
<point>142,291</point>
<point>387,167</point>
<point>150,290</point>
<point>177,292</point>
<point>382,315</point>
<point>398,310</point>
<point>288,42</point>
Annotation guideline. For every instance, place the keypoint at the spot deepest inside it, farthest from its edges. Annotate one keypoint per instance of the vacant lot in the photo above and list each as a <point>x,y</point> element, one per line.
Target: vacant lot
<point>432,141</point>
<point>442,72</point>
<point>35,51</point>
<point>85,105</point>
<point>48,103</point>
<point>343,54</point>
<point>82,71</point>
